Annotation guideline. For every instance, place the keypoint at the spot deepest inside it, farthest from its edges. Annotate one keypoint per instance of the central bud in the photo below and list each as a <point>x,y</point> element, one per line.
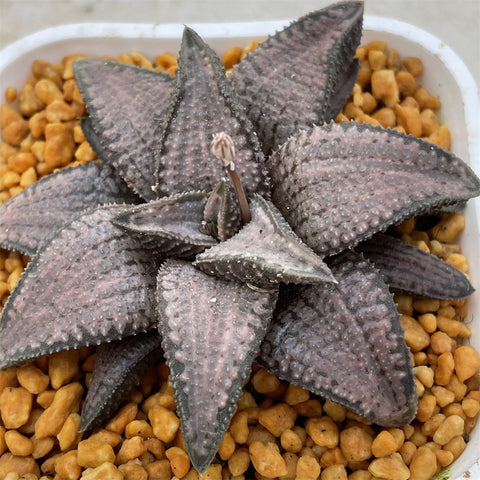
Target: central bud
<point>222,147</point>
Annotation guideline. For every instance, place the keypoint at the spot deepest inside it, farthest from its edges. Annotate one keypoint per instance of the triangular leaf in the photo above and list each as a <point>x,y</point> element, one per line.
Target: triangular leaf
<point>264,253</point>
<point>345,342</point>
<point>126,104</point>
<point>171,225</point>
<point>338,184</point>
<point>34,215</point>
<point>119,366</point>
<point>204,104</point>
<point>299,71</point>
<point>211,332</point>
<point>221,215</point>
<point>91,284</point>
<point>409,269</point>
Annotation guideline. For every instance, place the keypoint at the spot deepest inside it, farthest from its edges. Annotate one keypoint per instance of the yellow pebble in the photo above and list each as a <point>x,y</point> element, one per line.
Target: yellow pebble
<point>15,406</point>
<point>179,461</point>
<point>467,362</point>
<point>265,382</point>
<point>239,462</point>
<point>334,472</point>
<point>389,468</point>
<point>66,400</point>
<point>278,418</point>
<point>323,431</point>
<point>356,444</point>
<point>239,427</point>
<point>291,441</point>
<point>423,465</point>
<point>384,444</point>
<point>308,468</point>
<point>124,416</point>
<point>385,88</point>
<point>10,179</point>
<point>18,444</point>
<point>92,453</point>
<point>165,423</point>
<point>450,428</point>
<point>267,460</point>
<point>62,367</point>
<point>106,471</point>
<point>227,447</point>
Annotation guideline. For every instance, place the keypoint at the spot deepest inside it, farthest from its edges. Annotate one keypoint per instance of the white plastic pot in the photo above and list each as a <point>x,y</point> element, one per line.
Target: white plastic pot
<point>445,75</point>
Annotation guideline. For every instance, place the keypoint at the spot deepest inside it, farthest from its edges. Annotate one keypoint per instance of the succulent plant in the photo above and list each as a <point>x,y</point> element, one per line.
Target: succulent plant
<point>271,252</point>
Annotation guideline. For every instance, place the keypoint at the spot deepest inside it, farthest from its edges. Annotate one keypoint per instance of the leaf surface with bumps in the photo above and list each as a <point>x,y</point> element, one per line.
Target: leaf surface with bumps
<point>301,76</point>
<point>211,332</point>
<point>203,104</point>
<point>33,216</point>
<point>338,184</point>
<point>171,225</point>
<point>119,367</point>
<point>125,104</point>
<point>264,253</point>
<point>408,269</point>
<point>344,341</point>
<point>92,283</point>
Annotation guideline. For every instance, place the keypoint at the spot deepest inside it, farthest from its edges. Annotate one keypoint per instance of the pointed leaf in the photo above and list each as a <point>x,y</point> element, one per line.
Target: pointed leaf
<point>345,342</point>
<point>119,367</point>
<point>34,215</point>
<point>204,104</point>
<point>409,269</point>
<point>91,284</point>
<point>300,73</point>
<point>221,215</point>
<point>125,104</point>
<point>96,141</point>
<point>341,183</point>
<point>171,225</point>
<point>342,91</point>
<point>211,332</point>
<point>264,253</point>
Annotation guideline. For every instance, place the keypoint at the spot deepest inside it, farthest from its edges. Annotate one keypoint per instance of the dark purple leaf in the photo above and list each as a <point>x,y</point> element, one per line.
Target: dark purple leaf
<point>171,225</point>
<point>409,269</point>
<point>34,215</point>
<point>211,332</point>
<point>91,284</point>
<point>204,104</point>
<point>264,253</point>
<point>342,91</point>
<point>119,367</point>
<point>338,184</point>
<point>292,80</point>
<point>221,215</point>
<point>345,342</point>
<point>126,105</point>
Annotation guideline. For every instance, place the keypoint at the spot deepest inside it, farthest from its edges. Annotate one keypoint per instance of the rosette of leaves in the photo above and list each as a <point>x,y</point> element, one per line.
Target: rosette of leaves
<point>150,251</point>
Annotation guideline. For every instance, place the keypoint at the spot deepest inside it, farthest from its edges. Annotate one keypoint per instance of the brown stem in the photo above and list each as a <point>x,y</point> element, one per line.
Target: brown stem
<point>242,199</point>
